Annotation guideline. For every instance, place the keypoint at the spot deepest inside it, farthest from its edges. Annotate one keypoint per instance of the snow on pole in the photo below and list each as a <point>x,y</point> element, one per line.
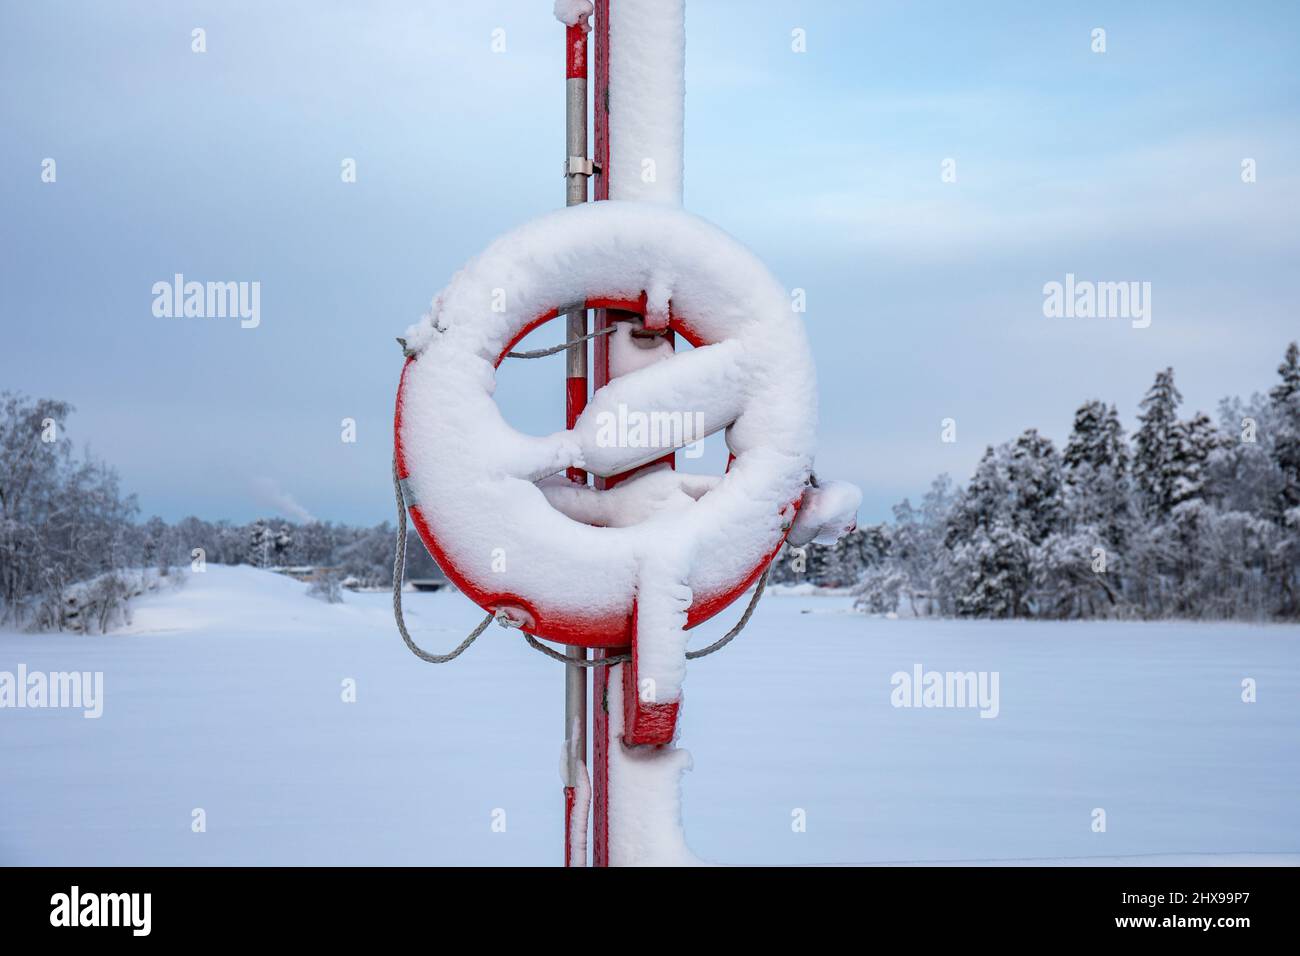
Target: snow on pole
<point>639,110</point>
<point>647,99</point>
<point>645,797</point>
<point>577,807</point>
<point>640,114</point>
<point>641,99</point>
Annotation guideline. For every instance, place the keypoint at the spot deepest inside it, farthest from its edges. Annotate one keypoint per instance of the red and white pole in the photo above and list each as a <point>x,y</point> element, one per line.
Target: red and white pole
<point>575,677</point>
<point>600,347</point>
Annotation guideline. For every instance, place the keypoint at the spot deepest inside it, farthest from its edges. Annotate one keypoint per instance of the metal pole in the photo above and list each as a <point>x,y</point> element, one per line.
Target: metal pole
<point>599,838</point>
<point>575,677</point>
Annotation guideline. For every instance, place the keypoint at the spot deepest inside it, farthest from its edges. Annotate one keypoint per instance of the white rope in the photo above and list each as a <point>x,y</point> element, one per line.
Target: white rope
<point>542,353</point>
<point>399,578</point>
<point>717,645</point>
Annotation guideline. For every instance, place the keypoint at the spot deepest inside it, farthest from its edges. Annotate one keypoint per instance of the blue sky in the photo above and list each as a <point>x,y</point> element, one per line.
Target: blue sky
<point>924,297</point>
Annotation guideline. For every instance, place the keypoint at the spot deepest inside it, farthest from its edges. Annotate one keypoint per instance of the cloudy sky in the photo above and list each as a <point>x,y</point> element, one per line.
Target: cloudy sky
<point>924,297</point>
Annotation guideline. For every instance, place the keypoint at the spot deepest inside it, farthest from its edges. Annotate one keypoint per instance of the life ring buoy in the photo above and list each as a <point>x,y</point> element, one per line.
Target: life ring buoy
<point>491,504</point>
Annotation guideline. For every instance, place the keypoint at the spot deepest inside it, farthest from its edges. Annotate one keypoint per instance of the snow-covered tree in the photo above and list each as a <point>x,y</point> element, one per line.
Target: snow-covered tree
<point>1097,440</point>
<point>315,543</point>
<point>63,518</point>
<point>1284,400</point>
<point>1196,441</point>
<point>260,537</point>
<point>1097,492</point>
<point>1284,558</point>
<point>1075,575</point>
<point>368,557</point>
<point>1195,521</point>
<point>982,503</point>
<point>281,544</point>
<point>988,574</point>
<point>880,588</point>
<point>1242,473</point>
<point>916,545</point>
<point>1033,476</point>
<point>1155,456</point>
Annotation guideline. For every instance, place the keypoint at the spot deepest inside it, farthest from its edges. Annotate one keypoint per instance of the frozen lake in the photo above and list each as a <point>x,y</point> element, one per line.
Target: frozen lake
<point>226,695</point>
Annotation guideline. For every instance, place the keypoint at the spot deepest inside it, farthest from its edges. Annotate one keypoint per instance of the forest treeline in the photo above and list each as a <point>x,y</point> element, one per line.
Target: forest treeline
<point>1187,517</point>
<point>73,550</point>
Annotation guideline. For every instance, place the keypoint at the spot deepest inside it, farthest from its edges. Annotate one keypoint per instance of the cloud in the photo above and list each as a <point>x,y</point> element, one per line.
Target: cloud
<point>268,493</point>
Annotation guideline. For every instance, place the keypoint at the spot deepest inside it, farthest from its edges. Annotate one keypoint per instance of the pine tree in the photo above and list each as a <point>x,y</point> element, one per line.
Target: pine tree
<point>283,541</point>
<point>155,533</point>
<point>1197,440</point>
<point>1085,437</point>
<point>1116,444</point>
<point>1034,480</point>
<point>1097,440</point>
<point>980,504</point>
<point>986,569</point>
<point>1284,399</point>
<point>1155,467</point>
<point>992,573</point>
<point>259,544</point>
<point>1096,462</point>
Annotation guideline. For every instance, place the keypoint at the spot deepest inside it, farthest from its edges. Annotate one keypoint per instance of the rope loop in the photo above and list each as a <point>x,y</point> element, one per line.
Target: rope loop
<point>542,353</point>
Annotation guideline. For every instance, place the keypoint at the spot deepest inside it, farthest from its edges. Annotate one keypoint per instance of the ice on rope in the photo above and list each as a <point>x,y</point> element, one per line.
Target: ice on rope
<point>647,99</point>
<point>574,12</point>
<point>827,513</point>
<point>579,553</point>
<point>645,796</point>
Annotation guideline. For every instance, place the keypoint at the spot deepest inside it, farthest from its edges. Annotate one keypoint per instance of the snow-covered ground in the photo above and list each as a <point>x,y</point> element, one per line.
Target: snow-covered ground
<point>227,696</point>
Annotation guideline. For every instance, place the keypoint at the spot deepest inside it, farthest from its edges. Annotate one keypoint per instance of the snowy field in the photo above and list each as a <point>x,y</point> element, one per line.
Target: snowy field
<point>226,695</point>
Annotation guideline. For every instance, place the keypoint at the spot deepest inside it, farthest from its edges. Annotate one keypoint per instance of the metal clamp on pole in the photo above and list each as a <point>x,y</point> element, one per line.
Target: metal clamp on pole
<point>581,166</point>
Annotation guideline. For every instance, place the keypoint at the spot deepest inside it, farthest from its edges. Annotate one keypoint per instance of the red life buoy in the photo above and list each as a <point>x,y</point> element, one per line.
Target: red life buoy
<point>491,504</point>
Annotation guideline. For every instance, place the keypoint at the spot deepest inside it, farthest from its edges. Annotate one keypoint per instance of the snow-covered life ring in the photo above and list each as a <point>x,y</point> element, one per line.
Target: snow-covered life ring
<point>570,563</point>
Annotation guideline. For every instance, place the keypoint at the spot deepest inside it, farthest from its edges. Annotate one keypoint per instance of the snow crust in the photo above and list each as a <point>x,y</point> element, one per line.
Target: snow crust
<point>645,796</point>
<point>827,513</point>
<point>647,99</point>
<point>574,12</point>
<point>627,353</point>
<point>225,694</point>
<point>578,817</point>
<point>475,478</point>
